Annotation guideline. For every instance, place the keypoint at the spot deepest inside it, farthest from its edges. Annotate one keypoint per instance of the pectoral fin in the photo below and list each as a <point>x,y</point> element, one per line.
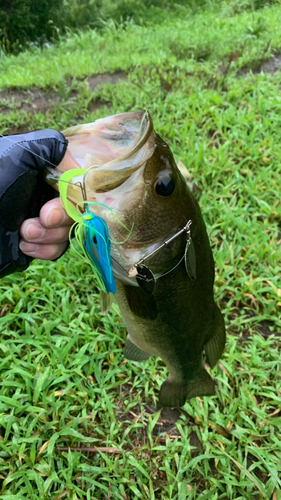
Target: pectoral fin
<point>175,394</point>
<point>214,348</point>
<point>141,304</point>
<point>134,353</point>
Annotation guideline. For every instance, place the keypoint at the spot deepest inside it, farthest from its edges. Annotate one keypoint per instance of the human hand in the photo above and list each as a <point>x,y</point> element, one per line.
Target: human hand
<point>46,237</point>
<point>23,192</point>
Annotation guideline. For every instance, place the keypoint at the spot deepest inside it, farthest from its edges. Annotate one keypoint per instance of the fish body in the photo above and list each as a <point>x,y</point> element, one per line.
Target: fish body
<point>133,176</point>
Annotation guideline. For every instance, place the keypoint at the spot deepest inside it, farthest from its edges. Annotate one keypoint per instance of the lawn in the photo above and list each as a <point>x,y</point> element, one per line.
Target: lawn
<point>79,421</point>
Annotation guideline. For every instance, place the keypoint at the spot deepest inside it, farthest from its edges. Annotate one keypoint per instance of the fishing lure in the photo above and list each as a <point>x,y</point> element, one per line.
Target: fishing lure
<point>93,237</point>
<point>91,233</point>
<point>145,277</point>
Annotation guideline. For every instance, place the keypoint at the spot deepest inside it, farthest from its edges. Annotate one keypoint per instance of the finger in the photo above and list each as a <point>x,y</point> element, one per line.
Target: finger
<point>53,214</point>
<point>32,231</point>
<point>43,252</point>
<point>68,162</point>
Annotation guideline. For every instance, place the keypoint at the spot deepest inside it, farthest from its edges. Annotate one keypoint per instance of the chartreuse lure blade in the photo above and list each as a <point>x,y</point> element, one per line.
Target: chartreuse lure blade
<point>65,179</point>
<point>91,234</point>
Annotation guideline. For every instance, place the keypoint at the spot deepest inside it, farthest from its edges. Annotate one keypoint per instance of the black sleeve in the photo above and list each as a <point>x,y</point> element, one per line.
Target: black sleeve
<point>22,189</point>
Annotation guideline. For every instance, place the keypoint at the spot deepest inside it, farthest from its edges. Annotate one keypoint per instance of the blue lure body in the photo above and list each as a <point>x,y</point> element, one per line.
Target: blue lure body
<point>97,245</point>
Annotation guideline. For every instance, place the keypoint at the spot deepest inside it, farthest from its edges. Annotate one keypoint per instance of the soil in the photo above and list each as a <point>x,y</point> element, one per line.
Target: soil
<point>270,66</point>
<point>35,100</point>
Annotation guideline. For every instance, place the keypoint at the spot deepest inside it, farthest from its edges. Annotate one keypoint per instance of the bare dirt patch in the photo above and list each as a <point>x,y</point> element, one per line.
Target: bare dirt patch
<point>35,100</point>
<point>270,66</point>
<point>95,80</point>
<point>32,100</point>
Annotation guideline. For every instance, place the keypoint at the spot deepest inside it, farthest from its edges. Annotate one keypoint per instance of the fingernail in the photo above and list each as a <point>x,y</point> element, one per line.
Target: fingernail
<point>28,248</point>
<point>34,231</point>
<point>56,217</point>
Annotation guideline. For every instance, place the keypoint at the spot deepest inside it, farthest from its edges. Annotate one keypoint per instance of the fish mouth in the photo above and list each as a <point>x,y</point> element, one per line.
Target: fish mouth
<point>115,151</point>
<point>111,149</point>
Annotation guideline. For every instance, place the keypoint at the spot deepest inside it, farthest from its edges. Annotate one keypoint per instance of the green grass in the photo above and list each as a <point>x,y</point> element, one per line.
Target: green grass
<point>64,379</point>
<point>209,37</point>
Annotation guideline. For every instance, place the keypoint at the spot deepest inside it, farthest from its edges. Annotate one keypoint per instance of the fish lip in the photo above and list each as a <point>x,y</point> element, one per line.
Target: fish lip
<point>116,173</point>
<point>146,120</point>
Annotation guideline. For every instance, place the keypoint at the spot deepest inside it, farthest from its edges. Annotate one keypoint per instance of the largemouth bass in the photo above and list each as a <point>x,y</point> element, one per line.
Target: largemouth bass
<point>164,269</point>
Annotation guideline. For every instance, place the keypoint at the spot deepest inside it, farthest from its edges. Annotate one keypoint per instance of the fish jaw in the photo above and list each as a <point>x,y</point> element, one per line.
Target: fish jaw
<point>110,140</point>
<point>111,149</point>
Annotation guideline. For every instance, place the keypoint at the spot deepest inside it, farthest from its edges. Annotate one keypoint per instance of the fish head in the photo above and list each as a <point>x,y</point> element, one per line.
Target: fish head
<point>133,183</point>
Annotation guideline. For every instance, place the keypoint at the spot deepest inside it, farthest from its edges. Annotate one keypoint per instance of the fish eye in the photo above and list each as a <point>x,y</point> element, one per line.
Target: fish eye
<point>165,185</point>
